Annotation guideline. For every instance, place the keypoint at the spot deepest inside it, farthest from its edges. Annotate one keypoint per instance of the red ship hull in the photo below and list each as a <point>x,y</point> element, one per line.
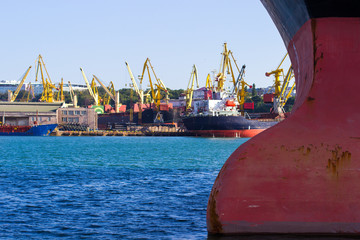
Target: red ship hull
<point>247,133</point>
<point>301,176</point>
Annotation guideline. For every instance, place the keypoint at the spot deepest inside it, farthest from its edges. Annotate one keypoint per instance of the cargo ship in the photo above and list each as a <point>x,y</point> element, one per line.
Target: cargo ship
<point>301,176</point>
<point>219,112</point>
<point>222,118</point>
<point>36,130</point>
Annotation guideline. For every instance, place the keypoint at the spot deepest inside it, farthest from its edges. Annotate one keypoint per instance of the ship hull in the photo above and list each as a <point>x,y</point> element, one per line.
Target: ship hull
<point>39,130</point>
<point>225,126</point>
<point>301,176</point>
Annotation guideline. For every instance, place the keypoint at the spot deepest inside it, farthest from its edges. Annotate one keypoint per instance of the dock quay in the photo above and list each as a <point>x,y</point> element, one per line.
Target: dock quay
<point>132,131</point>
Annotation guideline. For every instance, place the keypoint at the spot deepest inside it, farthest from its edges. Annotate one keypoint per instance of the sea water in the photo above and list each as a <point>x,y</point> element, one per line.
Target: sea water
<point>108,187</point>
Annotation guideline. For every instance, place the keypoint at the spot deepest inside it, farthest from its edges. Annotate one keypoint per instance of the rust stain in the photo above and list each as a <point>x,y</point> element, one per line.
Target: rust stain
<point>338,159</point>
<point>242,156</point>
<point>310,99</point>
<point>215,224</point>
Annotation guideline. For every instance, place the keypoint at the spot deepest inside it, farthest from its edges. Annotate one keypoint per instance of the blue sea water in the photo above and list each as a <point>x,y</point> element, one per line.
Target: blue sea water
<point>108,187</point>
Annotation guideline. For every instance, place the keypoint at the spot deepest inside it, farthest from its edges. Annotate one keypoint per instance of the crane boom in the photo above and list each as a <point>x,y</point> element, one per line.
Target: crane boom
<point>137,90</point>
<point>95,96</point>
<point>71,92</point>
<point>20,85</point>
<point>105,88</point>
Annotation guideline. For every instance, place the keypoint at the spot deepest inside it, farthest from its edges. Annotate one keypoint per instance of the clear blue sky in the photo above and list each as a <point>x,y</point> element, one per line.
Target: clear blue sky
<point>100,36</point>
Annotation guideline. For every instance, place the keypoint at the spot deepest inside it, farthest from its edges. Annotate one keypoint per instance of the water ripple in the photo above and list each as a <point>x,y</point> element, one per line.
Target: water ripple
<point>108,188</point>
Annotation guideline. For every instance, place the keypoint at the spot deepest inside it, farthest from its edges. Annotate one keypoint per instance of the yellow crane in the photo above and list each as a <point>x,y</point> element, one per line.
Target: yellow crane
<point>110,93</point>
<point>157,95</point>
<point>60,95</point>
<point>159,85</point>
<point>12,96</point>
<point>94,88</point>
<point>139,93</point>
<point>72,94</point>
<point>238,84</point>
<point>282,93</point>
<point>239,89</point>
<point>107,97</point>
<point>190,88</point>
<point>29,91</point>
<point>48,86</point>
<point>93,94</point>
<point>209,84</point>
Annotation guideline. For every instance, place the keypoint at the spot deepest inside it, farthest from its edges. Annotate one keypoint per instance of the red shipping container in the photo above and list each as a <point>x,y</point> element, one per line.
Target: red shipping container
<point>107,108</point>
<point>269,98</point>
<point>164,107</point>
<point>249,105</point>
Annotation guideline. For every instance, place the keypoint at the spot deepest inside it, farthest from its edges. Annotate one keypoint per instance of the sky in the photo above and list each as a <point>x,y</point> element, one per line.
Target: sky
<point>100,36</point>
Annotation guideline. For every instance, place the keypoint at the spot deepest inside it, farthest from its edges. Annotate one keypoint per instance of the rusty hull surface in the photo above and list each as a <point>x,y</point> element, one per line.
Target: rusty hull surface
<point>303,174</point>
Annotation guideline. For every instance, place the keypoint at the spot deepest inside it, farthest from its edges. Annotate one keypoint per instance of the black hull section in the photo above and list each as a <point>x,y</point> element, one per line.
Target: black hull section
<point>206,123</point>
<point>290,15</point>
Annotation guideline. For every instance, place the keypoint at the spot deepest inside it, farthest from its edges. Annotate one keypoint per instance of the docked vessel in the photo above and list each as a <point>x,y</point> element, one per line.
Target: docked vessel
<point>36,130</point>
<point>221,113</point>
<point>222,118</point>
<point>301,176</point>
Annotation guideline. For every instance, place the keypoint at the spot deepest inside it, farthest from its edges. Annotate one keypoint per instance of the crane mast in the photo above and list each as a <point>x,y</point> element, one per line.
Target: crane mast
<point>60,96</point>
<point>71,92</point>
<point>190,89</point>
<point>280,95</point>
<point>209,84</point>
<point>139,92</point>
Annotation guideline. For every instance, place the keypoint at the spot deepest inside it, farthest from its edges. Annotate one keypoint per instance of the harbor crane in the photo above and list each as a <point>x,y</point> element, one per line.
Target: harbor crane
<point>239,83</point>
<point>209,84</point>
<point>110,93</point>
<point>190,89</point>
<point>282,93</point>
<point>107,97</point>
<point>160,87</point>
<point>48,86</point>
<point>28,91</point>
<point>13,96</point>
<point>72,95</point>
<point>239,88</point>
<point>71,90</point>
<point>139,92</point>
<point>93,94</point>
<point>60,95</point>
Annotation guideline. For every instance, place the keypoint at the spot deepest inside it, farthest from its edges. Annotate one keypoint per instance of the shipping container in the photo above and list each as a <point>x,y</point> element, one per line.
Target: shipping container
<point>249,105</point>
<point>269,98</point>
